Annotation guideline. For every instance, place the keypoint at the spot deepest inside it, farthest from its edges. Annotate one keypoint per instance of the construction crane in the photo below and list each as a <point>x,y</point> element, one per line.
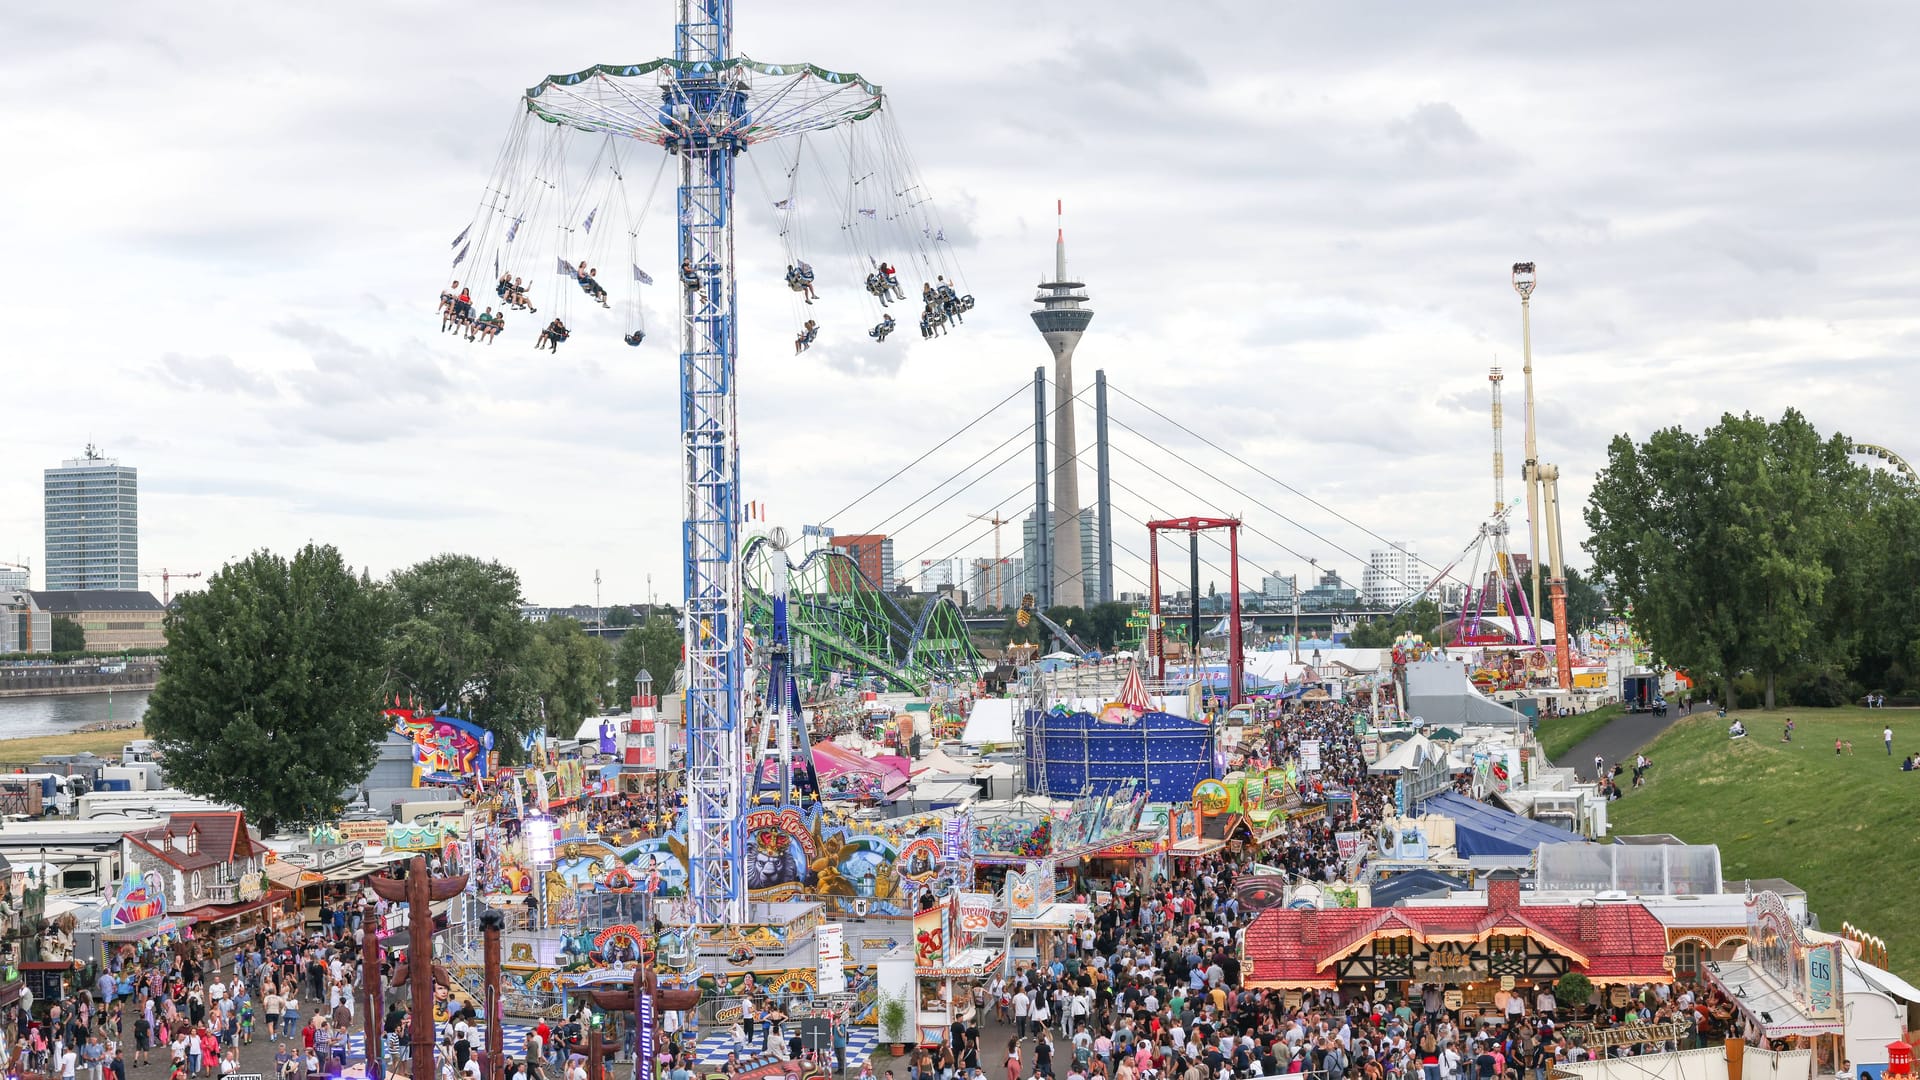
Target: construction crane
<point>166,577</point>
<point>999,589</point>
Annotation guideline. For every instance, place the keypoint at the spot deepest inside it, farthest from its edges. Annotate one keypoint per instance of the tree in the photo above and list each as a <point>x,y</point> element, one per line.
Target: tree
<point>1724,544</point>
<point>1070,618</point>
<point>1107,623</point>
<point>460,644</point>
<point>1379,632</point>
<point>68,637</point>
<point>620,615</point>
<point>1573,991</point>
<point>654,645</point>
<point>571,669</point>
<point>270,697</point>
<point>1586,605</point>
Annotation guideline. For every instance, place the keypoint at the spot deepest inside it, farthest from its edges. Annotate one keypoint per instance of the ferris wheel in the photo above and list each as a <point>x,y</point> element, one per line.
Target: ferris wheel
<point>1882,454</point>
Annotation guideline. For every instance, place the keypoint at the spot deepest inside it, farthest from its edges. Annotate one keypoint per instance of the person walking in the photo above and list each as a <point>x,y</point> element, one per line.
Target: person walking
<point>1886,736</point>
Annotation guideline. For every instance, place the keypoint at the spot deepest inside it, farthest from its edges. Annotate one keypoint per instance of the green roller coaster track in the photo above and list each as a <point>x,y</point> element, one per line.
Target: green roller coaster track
<point>850,627</point>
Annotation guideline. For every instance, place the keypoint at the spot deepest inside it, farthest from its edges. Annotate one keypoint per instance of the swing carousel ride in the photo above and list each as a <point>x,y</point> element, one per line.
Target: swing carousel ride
<point>560,237</point>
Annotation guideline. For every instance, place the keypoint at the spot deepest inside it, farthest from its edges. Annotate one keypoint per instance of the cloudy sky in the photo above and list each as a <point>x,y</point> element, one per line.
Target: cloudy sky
<point>227,224</point>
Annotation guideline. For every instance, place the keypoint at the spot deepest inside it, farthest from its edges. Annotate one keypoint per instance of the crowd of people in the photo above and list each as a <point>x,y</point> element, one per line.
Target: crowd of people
<point>1150,988</point>
<point>183,1003</point>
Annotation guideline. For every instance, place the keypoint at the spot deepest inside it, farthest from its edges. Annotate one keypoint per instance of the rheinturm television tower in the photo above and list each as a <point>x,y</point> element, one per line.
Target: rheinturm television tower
<point>1062,320</point>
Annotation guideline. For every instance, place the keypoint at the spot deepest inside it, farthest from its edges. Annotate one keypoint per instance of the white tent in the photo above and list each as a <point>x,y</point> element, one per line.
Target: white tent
<point>1408,756</point>
<point>990,721</point>
<point>589,730</point>
<point>939,764</point>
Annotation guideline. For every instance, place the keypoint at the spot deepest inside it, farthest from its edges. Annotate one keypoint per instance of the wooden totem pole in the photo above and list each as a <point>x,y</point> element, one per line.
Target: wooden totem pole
<point>418,892</point>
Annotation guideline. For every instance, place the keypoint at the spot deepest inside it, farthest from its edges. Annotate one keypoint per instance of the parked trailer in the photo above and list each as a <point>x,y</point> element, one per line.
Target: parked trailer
<point>1640,693</point>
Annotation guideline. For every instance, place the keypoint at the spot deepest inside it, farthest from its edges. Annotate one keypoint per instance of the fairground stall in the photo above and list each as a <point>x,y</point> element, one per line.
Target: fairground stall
<point>1788,986</point>
<point>1473,953</point>
<point>1079,744</point>
<point>208,867</point>
<point>957,945</point>
<point>131,930</point>
<point>1134,864</point>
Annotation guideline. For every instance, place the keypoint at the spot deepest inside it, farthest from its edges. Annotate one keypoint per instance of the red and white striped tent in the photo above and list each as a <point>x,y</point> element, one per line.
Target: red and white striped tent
<point>1133,692</point>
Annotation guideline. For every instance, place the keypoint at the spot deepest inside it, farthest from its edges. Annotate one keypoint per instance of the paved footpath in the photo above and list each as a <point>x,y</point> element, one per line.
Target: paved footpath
<point>1621,739</point>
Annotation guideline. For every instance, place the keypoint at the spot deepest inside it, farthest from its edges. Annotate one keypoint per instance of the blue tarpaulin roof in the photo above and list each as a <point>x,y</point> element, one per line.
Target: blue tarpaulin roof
<point>1479,829</point>
<point>1414,883</point>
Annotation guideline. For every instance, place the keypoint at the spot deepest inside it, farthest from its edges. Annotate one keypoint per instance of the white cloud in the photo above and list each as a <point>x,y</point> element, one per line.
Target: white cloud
<point>231,228</point>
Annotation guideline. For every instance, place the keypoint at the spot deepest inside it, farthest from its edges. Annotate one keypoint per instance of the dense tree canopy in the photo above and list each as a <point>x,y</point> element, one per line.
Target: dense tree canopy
<point>1107,623</point>
<point>1422,617</point>
<point>270,697</point>
<point>460,643</point>
<point>654,645</point>
<point>1762,548</point>
<point>570,669</point>
<point>1586,604</point>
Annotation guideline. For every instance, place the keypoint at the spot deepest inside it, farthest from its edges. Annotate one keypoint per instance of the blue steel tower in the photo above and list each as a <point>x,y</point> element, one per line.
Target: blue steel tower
<point>709,106</point>
<point>706,106</point>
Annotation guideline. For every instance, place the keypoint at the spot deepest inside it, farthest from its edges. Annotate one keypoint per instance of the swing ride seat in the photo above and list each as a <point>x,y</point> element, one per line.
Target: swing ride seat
<point>586,195</point>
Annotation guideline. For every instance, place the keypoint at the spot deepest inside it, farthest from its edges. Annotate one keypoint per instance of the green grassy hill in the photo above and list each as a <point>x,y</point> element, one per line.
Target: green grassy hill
<point>1840,826</point>
<point>1559,734</point>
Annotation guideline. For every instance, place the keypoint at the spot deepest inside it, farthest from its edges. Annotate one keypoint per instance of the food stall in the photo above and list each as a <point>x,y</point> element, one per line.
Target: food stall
<point>132,925</point>
<point>955,949</point>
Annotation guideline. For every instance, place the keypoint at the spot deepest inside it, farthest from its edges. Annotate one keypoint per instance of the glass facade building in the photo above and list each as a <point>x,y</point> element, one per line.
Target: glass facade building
<point>93,524</point>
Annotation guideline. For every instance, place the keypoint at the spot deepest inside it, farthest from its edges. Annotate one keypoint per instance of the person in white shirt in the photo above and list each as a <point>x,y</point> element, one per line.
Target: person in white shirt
<point>1022,1008</point>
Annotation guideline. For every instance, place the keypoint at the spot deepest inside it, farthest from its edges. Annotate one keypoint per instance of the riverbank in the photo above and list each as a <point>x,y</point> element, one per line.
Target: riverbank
<point>103,743</point>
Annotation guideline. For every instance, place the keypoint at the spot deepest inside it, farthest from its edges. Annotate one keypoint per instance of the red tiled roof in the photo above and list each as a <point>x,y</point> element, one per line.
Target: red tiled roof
<point>223,839</point>
<point>1629,942</point>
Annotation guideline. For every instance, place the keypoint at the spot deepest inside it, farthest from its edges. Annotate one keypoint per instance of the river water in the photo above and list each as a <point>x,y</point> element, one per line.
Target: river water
<point>59,714</point>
